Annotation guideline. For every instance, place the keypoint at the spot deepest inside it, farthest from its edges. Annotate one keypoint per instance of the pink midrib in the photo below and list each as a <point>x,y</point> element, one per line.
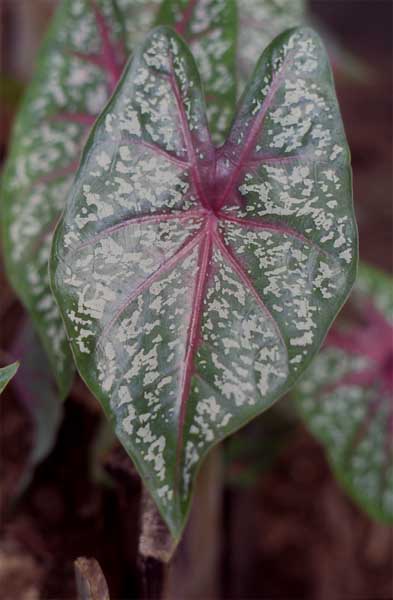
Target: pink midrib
<point>192,340</point>
<point>107,60</point>
<point>110,59</point>
<point>181,253</point>
<point>182,24</point>
<point>180,162</point>
<point>374,340</point>
<point>253,133</point>
<point>188,141</point>
<point>265,226</point>
<point>376,344</point>
<point>144,220</point>
<point>111,66</point>
<point>85,119</point>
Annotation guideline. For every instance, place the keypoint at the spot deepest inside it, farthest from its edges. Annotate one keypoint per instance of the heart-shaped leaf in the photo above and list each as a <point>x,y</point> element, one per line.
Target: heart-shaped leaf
<point>259,22</point>
<point>6,374</point>
<point>209,27</point>
<point>346,397</point>
<point>196,284</point>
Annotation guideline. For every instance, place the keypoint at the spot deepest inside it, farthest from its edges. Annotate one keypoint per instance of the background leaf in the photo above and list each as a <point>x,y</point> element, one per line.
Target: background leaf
<point>78,67</point>
<point>193,296</point>
<point>138,16</point>
<point>346,397</point>
<point>6,374</point>
<point>210,29</point>
<point>260,21</point>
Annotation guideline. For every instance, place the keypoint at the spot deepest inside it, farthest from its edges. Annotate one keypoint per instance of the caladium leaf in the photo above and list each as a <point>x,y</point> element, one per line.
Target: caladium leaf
<point>6,374</point>
<point>196,284</point>
<point>138,16</point>
<point>210,29</point>
<point>77,70</point>
<point>259,22</point>
<point>346,397</point>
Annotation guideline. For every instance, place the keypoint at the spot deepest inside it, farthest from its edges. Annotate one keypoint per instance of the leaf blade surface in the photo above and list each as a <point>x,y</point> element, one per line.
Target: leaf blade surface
<point>172,321</point>
<point>78,66</point>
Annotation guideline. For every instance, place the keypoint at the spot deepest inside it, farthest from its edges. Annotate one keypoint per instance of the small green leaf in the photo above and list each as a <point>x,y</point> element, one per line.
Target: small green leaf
<point>197,283</point>
<point>6,374</point>
<point>210,29</point>
<point>346,396</point>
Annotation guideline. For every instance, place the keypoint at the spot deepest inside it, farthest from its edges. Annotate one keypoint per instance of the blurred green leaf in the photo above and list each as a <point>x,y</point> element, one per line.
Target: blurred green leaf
<point>346,396</point>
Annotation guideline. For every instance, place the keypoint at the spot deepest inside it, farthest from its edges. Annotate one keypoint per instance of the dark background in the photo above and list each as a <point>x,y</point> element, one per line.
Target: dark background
<point>291,533</point>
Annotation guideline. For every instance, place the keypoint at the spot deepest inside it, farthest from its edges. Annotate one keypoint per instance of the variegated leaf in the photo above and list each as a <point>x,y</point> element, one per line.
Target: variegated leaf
<point>6,374</point>
<point>78,68</point>
<point>138,16</point>
<point>259,22</point>
<point>196,284</point>
<point>346,398</point>
<point>209,27</point>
